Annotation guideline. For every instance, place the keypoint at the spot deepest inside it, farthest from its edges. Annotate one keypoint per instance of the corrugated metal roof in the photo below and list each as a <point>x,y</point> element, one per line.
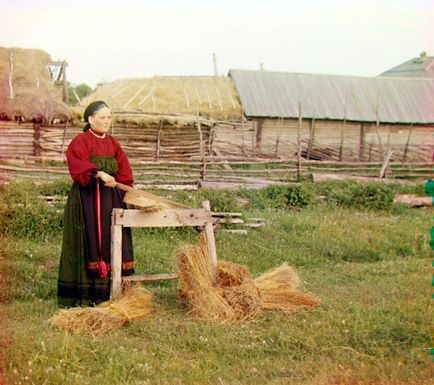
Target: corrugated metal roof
<point>419,67</point>
<point>278,94</point>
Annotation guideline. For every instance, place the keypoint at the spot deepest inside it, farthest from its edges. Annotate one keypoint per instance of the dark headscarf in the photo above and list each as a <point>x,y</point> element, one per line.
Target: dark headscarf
<point>90,111</point>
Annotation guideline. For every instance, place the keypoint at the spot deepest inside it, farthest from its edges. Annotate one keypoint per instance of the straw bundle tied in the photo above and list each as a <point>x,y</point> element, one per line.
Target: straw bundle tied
<point>244,299</point>
<point>197,289</point>
<point>135,303</point>
<point>278,289</point>
<point>234,295</point>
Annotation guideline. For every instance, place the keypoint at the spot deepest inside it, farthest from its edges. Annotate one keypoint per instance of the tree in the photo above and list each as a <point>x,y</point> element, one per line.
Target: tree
<point>78,92</point>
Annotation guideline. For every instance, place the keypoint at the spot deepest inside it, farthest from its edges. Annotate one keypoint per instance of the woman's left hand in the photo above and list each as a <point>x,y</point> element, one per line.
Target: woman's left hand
<point>108,180</point>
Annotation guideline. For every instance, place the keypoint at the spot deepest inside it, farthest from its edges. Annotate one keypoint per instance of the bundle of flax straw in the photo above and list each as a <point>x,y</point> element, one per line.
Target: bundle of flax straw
<point>278,288</point>
<point>197,290</point>
<point>234,294</point>
<point>133,304</point>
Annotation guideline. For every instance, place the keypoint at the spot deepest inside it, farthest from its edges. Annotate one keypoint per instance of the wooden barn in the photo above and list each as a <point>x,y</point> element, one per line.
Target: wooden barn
<point>31,102</point>
<point>338,118</point>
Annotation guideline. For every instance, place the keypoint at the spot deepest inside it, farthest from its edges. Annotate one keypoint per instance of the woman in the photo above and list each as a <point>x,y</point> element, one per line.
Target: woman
<point>96,162</point>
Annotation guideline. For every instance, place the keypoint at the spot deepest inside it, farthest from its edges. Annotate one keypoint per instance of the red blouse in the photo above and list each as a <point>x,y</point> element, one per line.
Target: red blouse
<point>84,145</point>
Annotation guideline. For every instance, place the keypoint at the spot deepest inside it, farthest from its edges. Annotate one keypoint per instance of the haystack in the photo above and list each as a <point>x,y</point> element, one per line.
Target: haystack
<point>26,88</point>
<point>135,303</point>
<point>233,294</point>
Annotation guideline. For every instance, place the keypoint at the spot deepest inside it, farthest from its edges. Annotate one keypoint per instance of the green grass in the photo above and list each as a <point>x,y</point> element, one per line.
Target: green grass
<point>371,270</point>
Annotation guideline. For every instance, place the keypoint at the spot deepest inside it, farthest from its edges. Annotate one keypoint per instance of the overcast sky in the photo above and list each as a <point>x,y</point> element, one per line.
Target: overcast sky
<point>112,39</point>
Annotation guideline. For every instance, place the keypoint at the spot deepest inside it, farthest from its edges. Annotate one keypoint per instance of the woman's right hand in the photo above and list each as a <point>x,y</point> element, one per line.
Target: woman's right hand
<point>108,180</point>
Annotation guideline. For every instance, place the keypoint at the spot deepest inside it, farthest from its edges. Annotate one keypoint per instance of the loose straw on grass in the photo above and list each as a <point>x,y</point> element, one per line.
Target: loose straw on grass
<point>135,303</point>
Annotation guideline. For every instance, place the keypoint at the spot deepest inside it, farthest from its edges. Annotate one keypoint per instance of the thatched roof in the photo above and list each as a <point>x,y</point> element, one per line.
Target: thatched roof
<point>26,88</point>
<point>176,98</point>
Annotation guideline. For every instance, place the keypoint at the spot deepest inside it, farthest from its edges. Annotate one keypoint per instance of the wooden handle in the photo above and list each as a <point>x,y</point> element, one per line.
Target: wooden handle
<point>124,187</point>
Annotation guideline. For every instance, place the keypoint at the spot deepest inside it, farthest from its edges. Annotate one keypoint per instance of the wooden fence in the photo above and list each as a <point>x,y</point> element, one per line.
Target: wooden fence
<point>232,153</point>
<point>271,139</point>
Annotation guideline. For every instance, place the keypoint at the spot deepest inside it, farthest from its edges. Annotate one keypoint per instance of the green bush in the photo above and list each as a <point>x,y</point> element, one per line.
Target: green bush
<point>281,196</point>
<point>58,187</point>
<point>220,200</point>
<point>376,196</point>
<point>24,214</point>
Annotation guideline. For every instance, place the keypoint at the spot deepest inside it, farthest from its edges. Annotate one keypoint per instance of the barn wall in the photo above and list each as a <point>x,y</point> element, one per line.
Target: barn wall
<point>233,140</point>
<point>418,139</point>
<point>339,140</point>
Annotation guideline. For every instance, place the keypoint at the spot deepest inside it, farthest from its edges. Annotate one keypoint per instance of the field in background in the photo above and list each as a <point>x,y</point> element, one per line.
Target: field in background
<point>370,267</point>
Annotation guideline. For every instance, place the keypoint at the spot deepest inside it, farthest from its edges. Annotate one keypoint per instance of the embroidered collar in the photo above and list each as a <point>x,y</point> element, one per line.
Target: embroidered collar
<point>99,136</point>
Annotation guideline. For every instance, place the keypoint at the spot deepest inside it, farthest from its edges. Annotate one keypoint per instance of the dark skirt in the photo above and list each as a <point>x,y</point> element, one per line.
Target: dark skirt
<point>79,283</point>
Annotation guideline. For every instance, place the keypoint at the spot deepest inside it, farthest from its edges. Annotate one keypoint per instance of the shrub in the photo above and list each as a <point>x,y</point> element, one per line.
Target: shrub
<point>280,196</point>
<point>23,214</point>
<point>376,196</point>
<point>220,200</point>
<point>57,187</point>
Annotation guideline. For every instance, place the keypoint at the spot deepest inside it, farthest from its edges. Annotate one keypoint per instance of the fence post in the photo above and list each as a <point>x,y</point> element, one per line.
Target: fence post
<point>202,148</point>
<point>209,232</point>
<point>299,142</point>
<point>116,258</point>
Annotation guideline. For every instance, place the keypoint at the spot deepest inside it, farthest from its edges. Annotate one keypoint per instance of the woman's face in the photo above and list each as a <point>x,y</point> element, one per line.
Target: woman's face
<point>101,120</point>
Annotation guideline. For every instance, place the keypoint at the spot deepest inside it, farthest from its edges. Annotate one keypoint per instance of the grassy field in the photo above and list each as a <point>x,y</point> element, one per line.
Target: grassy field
<point>371,269</point>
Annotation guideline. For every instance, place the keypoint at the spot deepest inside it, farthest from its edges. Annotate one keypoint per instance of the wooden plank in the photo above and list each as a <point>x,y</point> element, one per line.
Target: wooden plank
<point>234,231</point>
<point>229,220</point>
<point>214,214</point>
<point>116,260</point>
<point>209,233</point>
<point>163,218</point>
<point>254,225</point>
<point>151,277</point>
<point>413,200</point>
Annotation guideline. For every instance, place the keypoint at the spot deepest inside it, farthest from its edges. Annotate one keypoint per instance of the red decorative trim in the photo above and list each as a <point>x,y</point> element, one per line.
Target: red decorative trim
<point>125,266</point>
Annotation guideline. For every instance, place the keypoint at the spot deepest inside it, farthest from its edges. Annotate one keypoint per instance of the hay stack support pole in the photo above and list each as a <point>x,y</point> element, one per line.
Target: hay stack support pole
<point>164,218</point>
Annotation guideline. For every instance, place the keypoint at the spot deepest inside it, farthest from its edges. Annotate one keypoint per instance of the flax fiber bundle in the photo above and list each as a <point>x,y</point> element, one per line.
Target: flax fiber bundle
<point>197,290</point>
<point>245,300</point>
<point>234,295</point>
<point>135,303</point>
<point>278,288</point>
<point>231,274</point>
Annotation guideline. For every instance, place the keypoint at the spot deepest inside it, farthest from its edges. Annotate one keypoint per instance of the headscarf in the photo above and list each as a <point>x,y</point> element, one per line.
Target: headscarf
<point>90,111</point>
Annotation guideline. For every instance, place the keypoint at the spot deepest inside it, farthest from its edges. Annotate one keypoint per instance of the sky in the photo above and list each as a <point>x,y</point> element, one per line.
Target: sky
<point>112,39</point>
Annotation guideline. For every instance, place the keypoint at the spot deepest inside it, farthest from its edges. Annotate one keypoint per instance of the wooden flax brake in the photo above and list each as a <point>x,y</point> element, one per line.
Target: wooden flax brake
<point>146,201</point>
<point>164,213</point>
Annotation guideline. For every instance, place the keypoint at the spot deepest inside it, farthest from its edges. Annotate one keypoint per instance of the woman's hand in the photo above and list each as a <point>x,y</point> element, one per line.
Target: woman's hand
<point>108,180</point>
